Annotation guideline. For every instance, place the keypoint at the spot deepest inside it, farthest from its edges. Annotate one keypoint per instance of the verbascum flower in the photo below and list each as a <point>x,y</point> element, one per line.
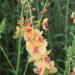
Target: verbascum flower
<point>34,50</point>
<point>45,23</point>
<point>52,68</point>
<point>39,67</point>
<point>38,39</point>
<point>35,37</point>
<point>44,63</point>
<point>36,47</point>
<point>28,33</point>
<point>49,64</point>
<point>46,60</point>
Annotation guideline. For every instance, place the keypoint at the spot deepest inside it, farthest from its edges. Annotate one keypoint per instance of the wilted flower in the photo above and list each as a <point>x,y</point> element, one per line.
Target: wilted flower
<point>21,22</point>
<point>73,17</point>
<point>29,22</point>
<point>45,23</point>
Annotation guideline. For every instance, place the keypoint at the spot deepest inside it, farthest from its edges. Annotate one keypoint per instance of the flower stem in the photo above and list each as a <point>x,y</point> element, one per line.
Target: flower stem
<point>7,59</point>
<point>19,47</point>
<point>43,9</point>
<point>18,58</point>
<point>67,65</point>
<point>26,67</point>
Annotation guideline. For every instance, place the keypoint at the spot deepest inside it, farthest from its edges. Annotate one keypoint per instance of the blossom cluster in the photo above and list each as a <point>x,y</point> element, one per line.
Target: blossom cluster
<point>36,46</point>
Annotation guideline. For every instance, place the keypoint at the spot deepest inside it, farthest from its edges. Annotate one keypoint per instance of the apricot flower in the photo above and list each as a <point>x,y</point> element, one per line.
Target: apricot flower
<point>39,67</point>
<point>34,50</point>
<point>28,33</point>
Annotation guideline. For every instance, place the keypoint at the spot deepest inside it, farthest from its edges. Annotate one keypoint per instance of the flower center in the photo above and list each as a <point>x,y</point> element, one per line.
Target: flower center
<point>27,29</point>
<point>47,59</point>
<point>40,39</point>
<point>35,50</point>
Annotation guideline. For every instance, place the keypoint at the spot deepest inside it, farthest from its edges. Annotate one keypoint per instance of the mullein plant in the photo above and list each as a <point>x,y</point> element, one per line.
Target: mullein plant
<point>36,45</point>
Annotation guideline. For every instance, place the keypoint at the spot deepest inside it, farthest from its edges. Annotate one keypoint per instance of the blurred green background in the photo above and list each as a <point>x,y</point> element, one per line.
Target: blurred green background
<point>10,9</point>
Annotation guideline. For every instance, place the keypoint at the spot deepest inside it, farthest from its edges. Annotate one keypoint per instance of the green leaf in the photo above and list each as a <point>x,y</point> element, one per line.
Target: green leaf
<point>2,27</point>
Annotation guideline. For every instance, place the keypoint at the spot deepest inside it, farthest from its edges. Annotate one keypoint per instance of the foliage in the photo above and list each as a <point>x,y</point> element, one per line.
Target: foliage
<point>60,35</point>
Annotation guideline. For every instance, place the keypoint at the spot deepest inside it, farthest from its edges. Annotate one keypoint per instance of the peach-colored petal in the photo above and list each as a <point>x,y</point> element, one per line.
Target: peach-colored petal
<point>52,70</point>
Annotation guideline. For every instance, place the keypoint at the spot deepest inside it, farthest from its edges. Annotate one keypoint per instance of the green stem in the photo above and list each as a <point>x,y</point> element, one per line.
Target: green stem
<point>67,60</point>
<point>29,9</point>
<point>22,11</point>
<point>19,47</point>
<point>7,58</point>
<point>43,9</point>
<point>66,23</point>
<point>18,58</point>
<point>26,68</point>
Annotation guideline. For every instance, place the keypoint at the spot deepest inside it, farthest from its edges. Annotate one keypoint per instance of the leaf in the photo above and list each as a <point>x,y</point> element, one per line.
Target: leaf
<point>2,27</point>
